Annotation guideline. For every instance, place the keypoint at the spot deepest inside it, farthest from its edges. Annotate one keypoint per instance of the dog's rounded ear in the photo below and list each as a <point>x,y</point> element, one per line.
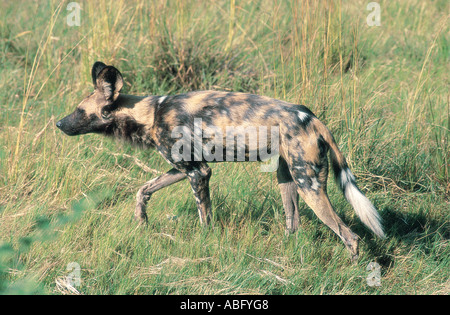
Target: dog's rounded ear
<point>96,68</point>
<point>109,81</point>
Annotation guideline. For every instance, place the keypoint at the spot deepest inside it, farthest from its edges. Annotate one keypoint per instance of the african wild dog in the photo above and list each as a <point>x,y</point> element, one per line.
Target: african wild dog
<point>303,145</point>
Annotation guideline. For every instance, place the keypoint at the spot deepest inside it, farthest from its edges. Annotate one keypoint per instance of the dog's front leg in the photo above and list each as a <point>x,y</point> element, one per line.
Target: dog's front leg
<point>289,196</point>
<point>146,191</point>
<point>199,180</point>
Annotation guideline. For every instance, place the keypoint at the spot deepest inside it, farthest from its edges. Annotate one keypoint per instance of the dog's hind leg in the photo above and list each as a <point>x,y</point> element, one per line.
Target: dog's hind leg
<point>321,206</point>
<point>308,164</point>
<point>312,184</point>
<point>289,196</point>
<point>146,191</point>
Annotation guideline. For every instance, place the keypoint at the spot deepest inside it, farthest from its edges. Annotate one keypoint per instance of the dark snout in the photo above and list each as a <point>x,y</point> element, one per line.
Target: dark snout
<point>76,123</point>
<point>79,123</point>
<point>68,125</point>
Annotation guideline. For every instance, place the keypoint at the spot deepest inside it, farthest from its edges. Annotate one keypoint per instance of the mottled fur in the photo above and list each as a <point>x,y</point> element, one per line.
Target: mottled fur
<point>304,143</point>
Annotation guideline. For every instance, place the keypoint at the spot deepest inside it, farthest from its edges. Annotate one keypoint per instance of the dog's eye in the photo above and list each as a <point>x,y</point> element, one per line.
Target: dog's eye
<point>106,114</point>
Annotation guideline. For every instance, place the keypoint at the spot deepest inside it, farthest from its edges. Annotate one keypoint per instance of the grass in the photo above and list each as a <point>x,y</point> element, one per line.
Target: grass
<point>383,91</point>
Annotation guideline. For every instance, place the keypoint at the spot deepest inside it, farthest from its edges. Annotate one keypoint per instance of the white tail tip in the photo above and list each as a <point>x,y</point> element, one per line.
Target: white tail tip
<point>365,210</point>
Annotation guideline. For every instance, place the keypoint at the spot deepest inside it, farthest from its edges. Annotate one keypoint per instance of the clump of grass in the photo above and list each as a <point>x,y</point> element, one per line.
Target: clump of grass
<point>191,64</point>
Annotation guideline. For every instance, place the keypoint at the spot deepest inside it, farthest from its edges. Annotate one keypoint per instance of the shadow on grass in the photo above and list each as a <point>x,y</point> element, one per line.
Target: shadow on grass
<point>405,230</point>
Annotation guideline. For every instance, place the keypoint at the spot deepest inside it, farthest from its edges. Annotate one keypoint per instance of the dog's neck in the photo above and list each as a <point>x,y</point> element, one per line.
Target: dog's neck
<point>134,117</point>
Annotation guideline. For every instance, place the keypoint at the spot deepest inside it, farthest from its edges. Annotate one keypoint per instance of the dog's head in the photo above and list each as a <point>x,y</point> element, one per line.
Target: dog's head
<point>95,112</point>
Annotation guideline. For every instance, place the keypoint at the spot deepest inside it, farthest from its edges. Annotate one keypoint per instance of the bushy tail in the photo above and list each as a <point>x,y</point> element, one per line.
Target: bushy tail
<point>365,210</point>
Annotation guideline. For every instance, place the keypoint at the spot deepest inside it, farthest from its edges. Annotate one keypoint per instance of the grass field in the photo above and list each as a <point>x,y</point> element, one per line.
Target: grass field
<point>69,201</point>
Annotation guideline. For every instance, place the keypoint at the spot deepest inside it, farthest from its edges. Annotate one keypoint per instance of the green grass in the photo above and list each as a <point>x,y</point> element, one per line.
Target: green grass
<point>383,91</point>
